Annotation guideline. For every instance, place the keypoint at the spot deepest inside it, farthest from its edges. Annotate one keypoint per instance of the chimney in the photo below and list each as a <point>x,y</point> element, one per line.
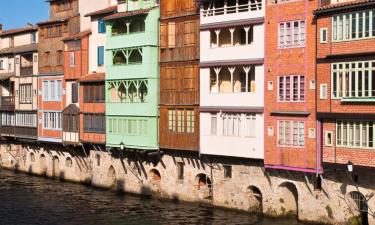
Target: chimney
<point>29,25</point>
<point>1,27</point>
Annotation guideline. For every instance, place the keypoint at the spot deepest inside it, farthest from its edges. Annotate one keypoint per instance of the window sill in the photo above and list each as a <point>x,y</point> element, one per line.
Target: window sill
<point>356,148</point>
<point>357,99</point>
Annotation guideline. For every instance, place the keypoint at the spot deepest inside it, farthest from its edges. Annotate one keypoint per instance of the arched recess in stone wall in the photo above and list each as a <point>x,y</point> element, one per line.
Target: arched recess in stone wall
<point>255,198</point>
<point>288,198</point>
<point>42,164</point>
<point>155,175</point>
<point>358,206</point>
<point>55,166</point>
<point>155,182</point>
<point>203,185</point>
<point>111,177</point>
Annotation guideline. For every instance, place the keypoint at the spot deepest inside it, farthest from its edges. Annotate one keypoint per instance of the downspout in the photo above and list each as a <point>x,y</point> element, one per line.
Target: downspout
<point>318,127</point>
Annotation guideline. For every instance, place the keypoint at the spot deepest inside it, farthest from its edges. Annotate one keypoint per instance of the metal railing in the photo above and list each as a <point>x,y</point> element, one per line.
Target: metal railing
<point>26,71</point>
<point>7,102</point>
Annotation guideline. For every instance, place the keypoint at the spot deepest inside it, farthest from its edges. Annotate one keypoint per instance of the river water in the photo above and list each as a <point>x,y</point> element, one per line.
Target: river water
<point>30,200</point>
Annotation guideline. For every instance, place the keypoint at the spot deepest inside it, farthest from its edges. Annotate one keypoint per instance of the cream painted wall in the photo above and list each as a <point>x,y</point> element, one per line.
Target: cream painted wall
<point>96,40</point>
<point>88,6</point>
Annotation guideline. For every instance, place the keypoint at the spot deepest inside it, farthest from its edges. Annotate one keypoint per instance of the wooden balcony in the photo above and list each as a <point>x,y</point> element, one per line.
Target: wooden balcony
<point>7,103</point>
<point>26,71</point>
<point>179,54</point>
<point>7,131</point>
<point>26,132</point>
<point>179,98</point>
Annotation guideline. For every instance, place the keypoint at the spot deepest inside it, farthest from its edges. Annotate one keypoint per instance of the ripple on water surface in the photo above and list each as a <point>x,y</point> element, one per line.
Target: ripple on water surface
<point>32,200</point>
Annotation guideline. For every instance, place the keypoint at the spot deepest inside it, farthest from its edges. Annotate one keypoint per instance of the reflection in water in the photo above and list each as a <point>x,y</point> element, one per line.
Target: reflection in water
<point>31,200</point>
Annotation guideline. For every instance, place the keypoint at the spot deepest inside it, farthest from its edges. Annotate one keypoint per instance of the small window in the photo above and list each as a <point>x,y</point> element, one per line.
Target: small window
<point>32,157</point>
<point>328,138</point>
<point>68,162</point>
<point>1,64</point>
<point>180,170</point>
<point>101,26</point>
<point>227,171</point>
<point>100,55</point>
<point>270,85</point>
<point>270,131</point>
<point>312,84</point>
<point>213,124</point>
<point>312,133</point>
<point>75,89</point>
<point>72,62</point>
<point>323,35</point>
<point>97,157</point>
<point>323,91</point>
<point>33,37</point>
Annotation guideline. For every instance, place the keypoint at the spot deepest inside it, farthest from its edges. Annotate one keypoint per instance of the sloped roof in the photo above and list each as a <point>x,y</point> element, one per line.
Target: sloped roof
<point>343,5</point>
<point>18,31</point>
<point>19,49</point>
<point>77,36</point>
<point>111,9</point>
<point>93,77</point>
<point>127,14</point>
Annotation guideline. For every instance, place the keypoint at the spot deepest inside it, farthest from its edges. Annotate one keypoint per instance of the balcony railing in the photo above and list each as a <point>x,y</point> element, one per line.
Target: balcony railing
<point>238,8</point>
<point>7,130</point>
<point>26,71</point>
<point>26,132</point>
<point>7,102</point>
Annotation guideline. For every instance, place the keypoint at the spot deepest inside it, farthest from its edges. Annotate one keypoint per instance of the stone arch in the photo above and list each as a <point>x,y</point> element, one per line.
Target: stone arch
<point>358,204</point>
<point>288,200</point>
<point>111,177</point>
<point>68,162</point>
<point>203,184</point>
<point>255,197</point>
<point>155,175</point>
<point>55,166</point>
<point>42,164</point>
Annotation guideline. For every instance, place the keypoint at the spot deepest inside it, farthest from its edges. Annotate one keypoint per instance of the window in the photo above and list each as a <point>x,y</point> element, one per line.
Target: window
<point>68,162</point>
<point>323,91</point>
<point>93,92</point>
<point>171,35</point>
<point>25,93</point>
<point>71,122</point>
<point>97,157</point>
<point>292,34</point>
<point>26,120</point>
<point>238,79</point>
<point>128,91</point>
<point>291,88</point>
<point>94,123</point>
<point>32,157</point>
<point>100,55</point>
<point>7,119</point>
<point>227,171</point>
<point>75,91</point>
<point>291,133</point>
<point>234,124</point>
<point>323,35</point>
<point>328,138</point>
<point>353,80</point>
<point>127,56</point>
<point>101,26</point>
<point>127,126</point>
<point>60,58</point>
<point>250,124</point>
<point>52,90</point>
<point>181,121</point>
<point>213,124</point>
<point>355,133</point>
<point>52,120</point>
<point>72,62</point>
<point>180,170</point>
<point>231,125</point>
<point>353,26</point>
<point>1,64</point>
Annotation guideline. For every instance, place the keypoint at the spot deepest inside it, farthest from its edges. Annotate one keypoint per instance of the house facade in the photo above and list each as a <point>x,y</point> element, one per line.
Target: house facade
<point>132,75</point>
<point>346,84</point>
<point>179,75</point>
<point>18,72</point>
<point>64,21</point>
<point>290,87</point>
<point>232,78</point>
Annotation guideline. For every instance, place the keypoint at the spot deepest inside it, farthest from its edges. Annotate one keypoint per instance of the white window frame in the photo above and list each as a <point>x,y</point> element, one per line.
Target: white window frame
<point>288,139</point>
<point>342,26</point>
<point>50,94</point>
<point>291,79</point>
<point>350,71</point>
<point>52,120</point>
<point>353,139</point>
<point>284,33</point>
<point>72,59</point>
<point>323,35</point>
<point>323,92</point>
<point>326,139</point>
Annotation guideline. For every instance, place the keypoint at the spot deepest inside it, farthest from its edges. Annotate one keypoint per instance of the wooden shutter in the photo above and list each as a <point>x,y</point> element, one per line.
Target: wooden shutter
<point>163,36</point>
<point>171,35</point>
<point>100,56</point>
<point>74,92</point>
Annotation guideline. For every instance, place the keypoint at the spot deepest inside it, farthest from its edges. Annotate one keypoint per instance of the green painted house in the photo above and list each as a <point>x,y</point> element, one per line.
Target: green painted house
<point>132,75</point>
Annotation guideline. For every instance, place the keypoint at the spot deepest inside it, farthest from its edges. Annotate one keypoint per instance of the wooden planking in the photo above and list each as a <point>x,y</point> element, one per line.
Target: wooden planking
<point>175,8</point>
<point>175,140</point>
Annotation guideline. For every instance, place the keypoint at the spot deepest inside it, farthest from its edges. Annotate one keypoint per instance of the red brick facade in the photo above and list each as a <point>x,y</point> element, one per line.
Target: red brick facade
<point>329,110</point>
<point>298,60</point>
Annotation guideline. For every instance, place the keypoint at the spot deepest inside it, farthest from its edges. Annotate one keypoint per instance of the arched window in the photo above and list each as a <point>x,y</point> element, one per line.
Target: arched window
<point>119,27</point>
<point>137,25</point>
<point>68,162</point>
<point>132,93</point>
<point>32,157</point>
<point>119,58</point>
<point>135,56</point>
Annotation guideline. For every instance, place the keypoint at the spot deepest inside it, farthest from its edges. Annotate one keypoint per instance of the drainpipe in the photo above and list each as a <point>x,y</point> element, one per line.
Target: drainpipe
<point>318,127</point>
